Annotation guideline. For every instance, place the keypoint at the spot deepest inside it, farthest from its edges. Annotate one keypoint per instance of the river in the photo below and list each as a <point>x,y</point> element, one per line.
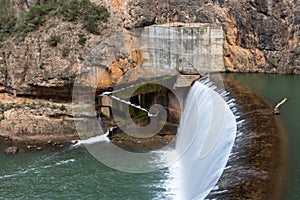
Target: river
<point>274,88</point>
<point>75,174</point>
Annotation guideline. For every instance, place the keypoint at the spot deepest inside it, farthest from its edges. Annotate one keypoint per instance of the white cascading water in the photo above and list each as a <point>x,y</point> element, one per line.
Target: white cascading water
<point>206,136</point>
<point>92,140</point>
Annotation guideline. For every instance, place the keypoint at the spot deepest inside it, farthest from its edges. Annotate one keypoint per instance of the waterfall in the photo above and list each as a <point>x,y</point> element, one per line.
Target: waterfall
<point>205,138</point>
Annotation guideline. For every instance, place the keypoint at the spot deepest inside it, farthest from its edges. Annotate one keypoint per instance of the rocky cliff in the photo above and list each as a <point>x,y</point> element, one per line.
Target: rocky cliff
<point>260,35</point>
<point>42,49</point>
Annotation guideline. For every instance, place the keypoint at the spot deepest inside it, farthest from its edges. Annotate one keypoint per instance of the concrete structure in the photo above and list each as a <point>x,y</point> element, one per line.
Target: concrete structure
<point>187,48</point>
<point>185,80</point>
<point>105,104</point>
<point>175,50</point>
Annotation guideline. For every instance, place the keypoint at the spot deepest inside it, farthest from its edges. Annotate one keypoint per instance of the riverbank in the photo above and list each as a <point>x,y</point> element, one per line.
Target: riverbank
<point>35,124</point>
<point>14,145</point>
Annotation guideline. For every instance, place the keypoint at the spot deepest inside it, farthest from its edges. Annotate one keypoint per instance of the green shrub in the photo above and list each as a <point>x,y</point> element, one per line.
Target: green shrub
<point>54,40</point>
<point>62,108</point>
<point>45,78</point>
<point>7,19</point>
<point>41,66</point>
<point>92,27</point>
<point>7,107</point>
<point>85,11</point>
<point>271,63</point>
<point>32,105</point>
<point>3,69</point>
<point>82,39</point>
<point>50,5</point>
<point>9,26</point>
<point>71,11</point>
<point>65,51</point>
<point>295,51</point>
<point>2,37</point>
<point>53,107</point>
<point>34,18</point>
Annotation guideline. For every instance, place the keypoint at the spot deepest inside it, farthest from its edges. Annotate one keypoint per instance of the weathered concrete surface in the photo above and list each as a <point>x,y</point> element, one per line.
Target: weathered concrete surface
<point>185,80</point>
<point>189,48</point>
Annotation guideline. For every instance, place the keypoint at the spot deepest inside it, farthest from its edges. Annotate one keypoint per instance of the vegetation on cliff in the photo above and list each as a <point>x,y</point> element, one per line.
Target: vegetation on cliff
<point>84,11</point>
<point>7,19</point>
<point>42,45</point>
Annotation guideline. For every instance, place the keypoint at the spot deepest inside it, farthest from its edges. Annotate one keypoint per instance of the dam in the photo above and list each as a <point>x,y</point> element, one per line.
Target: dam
<point>182,52</point>
<point>173,58</point>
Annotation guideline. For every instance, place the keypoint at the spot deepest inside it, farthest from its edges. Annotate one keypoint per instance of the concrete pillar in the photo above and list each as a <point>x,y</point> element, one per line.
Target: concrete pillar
<point>105,111</point>
<point>104,100</point>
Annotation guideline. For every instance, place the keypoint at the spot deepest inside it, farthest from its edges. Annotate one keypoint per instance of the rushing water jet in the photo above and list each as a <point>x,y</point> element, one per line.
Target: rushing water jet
<point>206,136</point>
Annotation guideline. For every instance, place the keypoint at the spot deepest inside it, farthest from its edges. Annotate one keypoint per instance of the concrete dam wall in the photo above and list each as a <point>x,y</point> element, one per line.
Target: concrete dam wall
<point>187,48</point>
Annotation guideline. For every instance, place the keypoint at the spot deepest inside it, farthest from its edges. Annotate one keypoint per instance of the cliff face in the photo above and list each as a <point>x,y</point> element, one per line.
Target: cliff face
<point>259,36</point>
<point>32,63</point>
<point>38,67</point>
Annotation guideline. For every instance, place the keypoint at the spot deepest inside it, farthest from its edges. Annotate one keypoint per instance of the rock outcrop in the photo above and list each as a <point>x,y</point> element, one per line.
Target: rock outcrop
<point>37,72</point>
<point>259,36</point>
<point>24,117</point>
<point>11,150</point>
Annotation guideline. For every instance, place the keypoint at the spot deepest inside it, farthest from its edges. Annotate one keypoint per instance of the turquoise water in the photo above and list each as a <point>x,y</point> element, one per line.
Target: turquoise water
<point>274,88</point>
<point>73,174</point>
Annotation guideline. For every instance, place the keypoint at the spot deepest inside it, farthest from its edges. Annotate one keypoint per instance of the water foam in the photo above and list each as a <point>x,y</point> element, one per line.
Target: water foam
<point>206,136</point>
<point>92,140</point>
